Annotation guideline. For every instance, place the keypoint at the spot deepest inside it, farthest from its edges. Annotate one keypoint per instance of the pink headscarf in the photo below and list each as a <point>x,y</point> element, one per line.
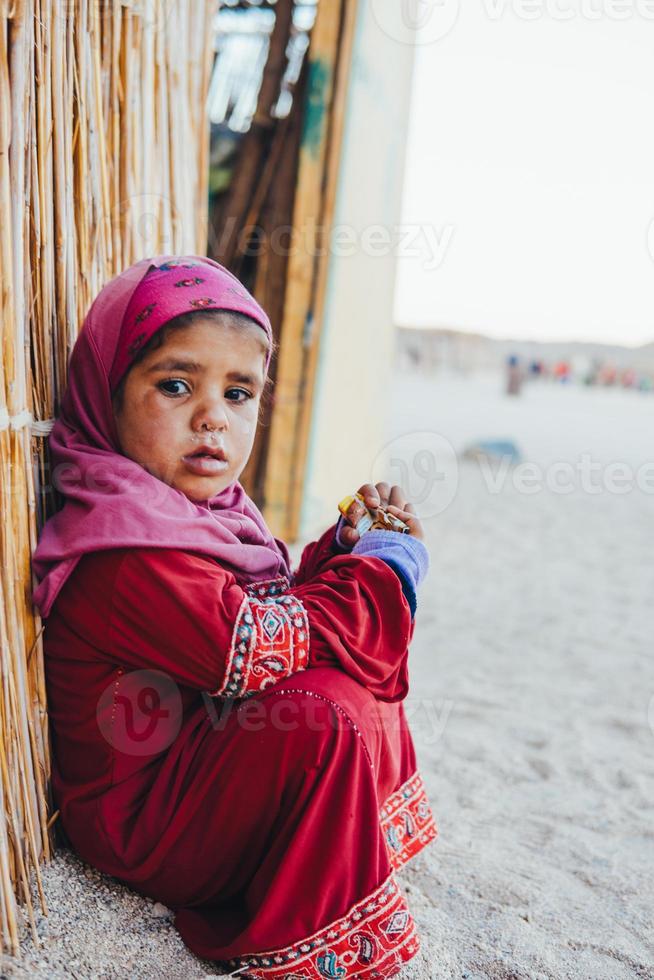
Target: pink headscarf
<point>112,501</point>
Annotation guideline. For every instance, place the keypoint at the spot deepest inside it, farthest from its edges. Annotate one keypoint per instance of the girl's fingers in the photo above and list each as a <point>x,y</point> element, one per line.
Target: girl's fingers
<point>349,535</point>
<point>397,497</point>
<point>402,514</point>
<point>384,491</point>
<point>382,495</point>
<point>409,517</point>
<point>370,495</point>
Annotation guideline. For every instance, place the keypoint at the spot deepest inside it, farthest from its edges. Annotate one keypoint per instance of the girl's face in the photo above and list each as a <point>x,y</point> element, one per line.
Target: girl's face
<point>205,376</point>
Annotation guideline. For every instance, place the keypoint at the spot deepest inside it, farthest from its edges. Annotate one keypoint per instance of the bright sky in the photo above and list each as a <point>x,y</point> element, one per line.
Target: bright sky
<point>531,159</point>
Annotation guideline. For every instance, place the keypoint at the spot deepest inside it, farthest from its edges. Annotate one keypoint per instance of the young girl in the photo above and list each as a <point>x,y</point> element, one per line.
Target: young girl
<point>228,737</point>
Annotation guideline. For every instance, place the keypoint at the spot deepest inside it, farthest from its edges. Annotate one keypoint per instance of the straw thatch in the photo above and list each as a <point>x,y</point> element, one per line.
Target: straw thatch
<point>103,160</point>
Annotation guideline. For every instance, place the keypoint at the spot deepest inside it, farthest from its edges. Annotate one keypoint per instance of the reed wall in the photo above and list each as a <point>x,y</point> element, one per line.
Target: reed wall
<point>103,160</point>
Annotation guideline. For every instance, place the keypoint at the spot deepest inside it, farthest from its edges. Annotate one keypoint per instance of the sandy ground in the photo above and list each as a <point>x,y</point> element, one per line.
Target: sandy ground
<point>531,704</point>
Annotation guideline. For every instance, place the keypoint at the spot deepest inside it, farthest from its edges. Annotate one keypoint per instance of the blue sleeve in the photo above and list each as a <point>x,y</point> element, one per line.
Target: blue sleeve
<point>406,555</point>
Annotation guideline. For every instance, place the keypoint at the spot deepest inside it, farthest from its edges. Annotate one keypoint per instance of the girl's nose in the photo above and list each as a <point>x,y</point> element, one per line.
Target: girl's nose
<point>211,415</point>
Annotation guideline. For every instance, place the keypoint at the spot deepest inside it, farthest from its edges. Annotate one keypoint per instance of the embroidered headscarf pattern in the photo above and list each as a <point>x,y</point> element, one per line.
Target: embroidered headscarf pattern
<point>168,290</point>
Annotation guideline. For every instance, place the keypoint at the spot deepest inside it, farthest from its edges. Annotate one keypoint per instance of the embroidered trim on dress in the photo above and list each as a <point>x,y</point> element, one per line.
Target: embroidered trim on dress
<point>407,821</point>
<point>375,938</point>
<point>270,640</point>
<point>268,587</point>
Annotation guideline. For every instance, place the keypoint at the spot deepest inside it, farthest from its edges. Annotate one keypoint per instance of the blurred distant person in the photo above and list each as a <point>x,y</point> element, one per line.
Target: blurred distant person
<point>562,372</point>
<point>513,375</point>
<point>593,373</point>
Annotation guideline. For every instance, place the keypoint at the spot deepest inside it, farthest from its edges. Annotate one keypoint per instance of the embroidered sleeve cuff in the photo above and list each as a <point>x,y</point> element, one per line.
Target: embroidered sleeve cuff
<point>270,641</point>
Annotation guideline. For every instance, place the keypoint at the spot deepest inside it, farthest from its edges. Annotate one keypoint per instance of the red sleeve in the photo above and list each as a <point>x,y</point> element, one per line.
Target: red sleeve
<point>315,554</point>
<point>186,615</point>
<point>360,621</point>
<point>359,618</point>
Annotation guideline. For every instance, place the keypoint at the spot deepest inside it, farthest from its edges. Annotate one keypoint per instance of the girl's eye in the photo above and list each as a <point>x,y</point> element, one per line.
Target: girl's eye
<point>237,395</point>
<point>237,392</point>
<point>172,381</point>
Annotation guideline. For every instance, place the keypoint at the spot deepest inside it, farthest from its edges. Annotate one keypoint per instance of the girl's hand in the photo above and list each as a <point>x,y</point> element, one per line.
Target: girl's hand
<point>392,498</point>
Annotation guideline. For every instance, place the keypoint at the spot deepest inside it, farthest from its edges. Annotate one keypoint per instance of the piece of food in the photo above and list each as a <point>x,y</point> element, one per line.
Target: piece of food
<point>388,522</point>
<point>354,510</point>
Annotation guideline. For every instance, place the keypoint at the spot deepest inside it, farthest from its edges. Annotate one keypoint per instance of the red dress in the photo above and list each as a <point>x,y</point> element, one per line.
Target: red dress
<point>242,754</point>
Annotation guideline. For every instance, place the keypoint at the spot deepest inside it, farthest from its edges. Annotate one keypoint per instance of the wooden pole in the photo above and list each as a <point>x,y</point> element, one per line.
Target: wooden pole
<point>229,217</point>
<point>312,214</point>
<point>313,336</point>
<point>272,265</point>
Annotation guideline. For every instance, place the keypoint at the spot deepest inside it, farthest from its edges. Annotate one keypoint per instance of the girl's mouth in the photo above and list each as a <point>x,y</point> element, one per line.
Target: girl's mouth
<point>206,462</point>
